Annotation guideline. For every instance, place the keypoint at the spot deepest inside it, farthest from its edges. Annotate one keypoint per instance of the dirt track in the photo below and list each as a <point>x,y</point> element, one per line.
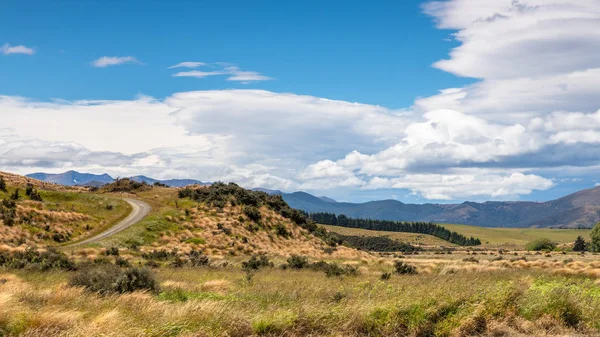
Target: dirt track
<point>139,210</point>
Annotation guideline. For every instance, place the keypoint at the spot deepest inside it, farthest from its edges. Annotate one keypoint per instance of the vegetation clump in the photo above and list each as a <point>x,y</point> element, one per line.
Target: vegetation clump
<point>404,268</point>
<point>375,243</point>
<point>297,262</point>
<point>541,244</point>
<point>257,262</point>
<point>595,236</point>
<point>580,245</point>
<point>8,212</point>
<point>108,278</point>
<point>34,259</point>
<point>2,184</point>
<point>126,185</point>
<point>32,193</point>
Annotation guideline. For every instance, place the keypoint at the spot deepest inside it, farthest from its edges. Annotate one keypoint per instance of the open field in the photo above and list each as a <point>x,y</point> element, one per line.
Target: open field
<point>411,238</point>
<point>509,300</point>
<point>518,237</point>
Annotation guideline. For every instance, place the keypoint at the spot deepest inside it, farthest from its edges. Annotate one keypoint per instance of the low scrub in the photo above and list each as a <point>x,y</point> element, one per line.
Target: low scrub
<point>257,262</point>
<point>404,268</point>
<point>541,244</point>
<point>33,259</point>
<point>106,279</point>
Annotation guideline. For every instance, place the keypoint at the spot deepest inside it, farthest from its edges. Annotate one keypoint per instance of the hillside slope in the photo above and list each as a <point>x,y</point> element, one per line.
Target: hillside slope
<point>62,215</point>
<point>581,209</point>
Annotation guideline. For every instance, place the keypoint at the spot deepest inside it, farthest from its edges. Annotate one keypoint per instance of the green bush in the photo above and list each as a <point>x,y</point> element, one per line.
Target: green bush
<point>252,213</point>
<point>297,262</point>
<point>2,184</point>
<point>257,263</point>
<point>541,244</point>
<point>31,258</point>
<point>333,269</point>
<point>282,231</point>
<point>404,268</point>
<point>106,279</point>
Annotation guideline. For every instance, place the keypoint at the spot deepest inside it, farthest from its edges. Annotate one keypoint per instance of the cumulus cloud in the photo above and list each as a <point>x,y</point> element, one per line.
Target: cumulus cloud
<point>531,118</point>
<point>106,61</point>
<point>7,49</point>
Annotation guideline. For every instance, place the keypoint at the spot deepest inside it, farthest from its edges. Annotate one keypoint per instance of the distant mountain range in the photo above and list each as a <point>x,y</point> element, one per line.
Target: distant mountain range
<point>74,178</point>
<point>581,209</point>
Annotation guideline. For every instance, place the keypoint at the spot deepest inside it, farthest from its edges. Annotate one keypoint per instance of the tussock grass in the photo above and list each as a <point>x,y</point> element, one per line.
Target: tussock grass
<point>219,301</point>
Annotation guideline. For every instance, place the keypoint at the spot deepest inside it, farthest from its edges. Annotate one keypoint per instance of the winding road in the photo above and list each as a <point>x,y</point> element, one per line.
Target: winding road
<point>139,210</point>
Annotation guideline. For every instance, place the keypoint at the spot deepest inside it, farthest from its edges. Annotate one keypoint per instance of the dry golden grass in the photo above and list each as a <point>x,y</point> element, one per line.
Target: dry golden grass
<point>222,302</point>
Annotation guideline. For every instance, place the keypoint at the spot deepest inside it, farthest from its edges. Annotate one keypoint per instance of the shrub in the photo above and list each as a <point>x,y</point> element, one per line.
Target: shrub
<point>471,259</point>
<point>114,251</point>
<point>198,259</point>
<point>297,262</point>
<point>404,268</point>
<point>282,231</point>
<point>579,245</point>
<point>121,262</point>
<point>257,263</point>
<point>106,279</point>
<point>334,269</point>
<point>2,184</point>
<point>33,259</point>
<point>385,276</point>
<point>252,213</point>
<point>15,195</point>
<point>541,244</point>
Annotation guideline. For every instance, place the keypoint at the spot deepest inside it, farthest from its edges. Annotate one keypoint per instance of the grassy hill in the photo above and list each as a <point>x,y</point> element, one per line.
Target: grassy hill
<point>64,214</point>
<point>410,238</point>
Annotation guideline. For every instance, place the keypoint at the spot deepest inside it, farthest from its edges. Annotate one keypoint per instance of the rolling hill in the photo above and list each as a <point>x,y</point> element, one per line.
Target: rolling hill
<point>580,209</point>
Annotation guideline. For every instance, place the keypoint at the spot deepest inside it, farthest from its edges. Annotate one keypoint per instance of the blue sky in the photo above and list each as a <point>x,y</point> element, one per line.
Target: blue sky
<point>414,100</point>
<point>355,51</point>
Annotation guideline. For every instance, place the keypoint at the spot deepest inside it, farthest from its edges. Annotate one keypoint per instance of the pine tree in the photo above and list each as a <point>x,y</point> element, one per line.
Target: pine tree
<point>579,245</point>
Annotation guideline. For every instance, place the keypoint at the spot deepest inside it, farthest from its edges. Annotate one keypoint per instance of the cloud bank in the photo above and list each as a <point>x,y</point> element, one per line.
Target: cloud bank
<point>531,118</point>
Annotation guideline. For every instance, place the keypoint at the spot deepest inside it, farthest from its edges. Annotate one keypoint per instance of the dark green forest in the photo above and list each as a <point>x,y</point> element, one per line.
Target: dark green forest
<point>395,226</point>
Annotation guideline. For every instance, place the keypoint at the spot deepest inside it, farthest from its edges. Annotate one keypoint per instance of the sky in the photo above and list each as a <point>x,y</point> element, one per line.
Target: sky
<point>419,101</point>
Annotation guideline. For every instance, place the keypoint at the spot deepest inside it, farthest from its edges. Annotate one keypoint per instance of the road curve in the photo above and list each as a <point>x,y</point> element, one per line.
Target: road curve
<point>139,210</point>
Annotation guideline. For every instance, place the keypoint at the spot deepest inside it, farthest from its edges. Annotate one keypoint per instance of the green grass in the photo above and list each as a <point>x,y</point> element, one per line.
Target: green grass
<point>411,238</point>
<point>90,204</point>
<point>518,237</point>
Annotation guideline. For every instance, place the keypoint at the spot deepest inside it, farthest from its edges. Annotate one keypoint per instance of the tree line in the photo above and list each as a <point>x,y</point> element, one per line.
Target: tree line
<point>395,226</point>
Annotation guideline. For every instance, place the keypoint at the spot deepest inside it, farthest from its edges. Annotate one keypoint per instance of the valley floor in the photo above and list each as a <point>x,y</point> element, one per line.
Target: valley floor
<point>450,296</point>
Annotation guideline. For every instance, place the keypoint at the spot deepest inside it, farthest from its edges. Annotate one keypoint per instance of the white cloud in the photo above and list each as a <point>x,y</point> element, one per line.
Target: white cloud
<point>532,116</point>
<point>232,72</point>
<point>7,49</point>
<point>106,61</point>
<point>188,65</point>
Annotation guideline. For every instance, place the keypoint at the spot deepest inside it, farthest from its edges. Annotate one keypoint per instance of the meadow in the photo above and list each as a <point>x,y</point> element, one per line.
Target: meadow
<point>519,298</point>
<point>518,237</point>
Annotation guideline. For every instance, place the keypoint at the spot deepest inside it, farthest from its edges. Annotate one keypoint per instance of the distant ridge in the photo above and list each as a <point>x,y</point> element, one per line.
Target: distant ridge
<point>577,210</point>
<point>74,178</point>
